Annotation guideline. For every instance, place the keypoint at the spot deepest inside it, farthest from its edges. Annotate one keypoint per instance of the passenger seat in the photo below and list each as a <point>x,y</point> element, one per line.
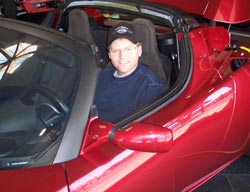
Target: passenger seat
<point>151,56</point>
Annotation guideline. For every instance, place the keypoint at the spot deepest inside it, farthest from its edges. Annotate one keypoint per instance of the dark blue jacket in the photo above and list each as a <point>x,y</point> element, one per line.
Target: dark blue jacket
<point>116,97</point>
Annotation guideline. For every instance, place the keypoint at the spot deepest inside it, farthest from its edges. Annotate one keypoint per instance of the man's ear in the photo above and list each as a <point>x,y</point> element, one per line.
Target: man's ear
<point>108,52</point>
<point>139,48</point>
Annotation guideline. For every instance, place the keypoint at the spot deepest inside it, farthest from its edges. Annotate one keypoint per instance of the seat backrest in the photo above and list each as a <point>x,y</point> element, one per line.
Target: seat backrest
<point>78,25</point>
<point>151,56</point>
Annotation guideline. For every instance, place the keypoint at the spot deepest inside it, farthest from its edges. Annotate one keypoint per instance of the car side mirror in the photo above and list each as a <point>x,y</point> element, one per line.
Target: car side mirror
<point>143,137</point>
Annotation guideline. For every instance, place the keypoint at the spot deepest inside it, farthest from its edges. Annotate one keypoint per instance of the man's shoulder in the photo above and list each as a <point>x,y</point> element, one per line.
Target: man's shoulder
<point>146,70</point>
<point>107,70</point>
<point>149,74</point>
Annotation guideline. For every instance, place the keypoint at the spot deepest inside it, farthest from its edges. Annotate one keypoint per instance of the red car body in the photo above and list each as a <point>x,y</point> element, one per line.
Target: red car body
<point>177,145</point>
<point>233,11</point>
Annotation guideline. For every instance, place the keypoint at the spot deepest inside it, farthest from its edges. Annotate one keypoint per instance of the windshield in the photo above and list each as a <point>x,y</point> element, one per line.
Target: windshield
<point>37,85</point>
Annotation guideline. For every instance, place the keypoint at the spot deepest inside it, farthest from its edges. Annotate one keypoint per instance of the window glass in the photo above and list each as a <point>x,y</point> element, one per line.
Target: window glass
<point>37,84</point>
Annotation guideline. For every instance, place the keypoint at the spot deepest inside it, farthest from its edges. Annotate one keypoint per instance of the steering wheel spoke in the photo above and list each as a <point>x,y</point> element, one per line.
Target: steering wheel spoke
<point>50,112</point>
<point>58,103</point>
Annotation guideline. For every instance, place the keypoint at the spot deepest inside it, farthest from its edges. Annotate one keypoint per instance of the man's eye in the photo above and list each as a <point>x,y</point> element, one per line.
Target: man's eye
<point>128,49</point>
<point>115,51</point>
<point>125,50</point>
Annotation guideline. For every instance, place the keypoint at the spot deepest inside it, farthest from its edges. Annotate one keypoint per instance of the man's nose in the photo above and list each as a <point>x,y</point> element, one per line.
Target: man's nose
<point>123,53</point>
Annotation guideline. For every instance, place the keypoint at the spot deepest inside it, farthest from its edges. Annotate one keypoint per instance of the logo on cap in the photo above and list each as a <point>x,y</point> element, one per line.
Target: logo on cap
<point>122,30</point>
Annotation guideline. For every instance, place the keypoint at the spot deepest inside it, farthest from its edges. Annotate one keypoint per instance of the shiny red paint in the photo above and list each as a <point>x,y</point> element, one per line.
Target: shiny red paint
<point>218,38</point>
<point>229,11</point>
<point>47,178</point>
<point>232,11</point>
<point>144,137</point>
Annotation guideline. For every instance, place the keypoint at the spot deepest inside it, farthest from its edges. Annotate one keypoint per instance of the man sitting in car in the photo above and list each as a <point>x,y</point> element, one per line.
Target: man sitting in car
<point>127,84</point>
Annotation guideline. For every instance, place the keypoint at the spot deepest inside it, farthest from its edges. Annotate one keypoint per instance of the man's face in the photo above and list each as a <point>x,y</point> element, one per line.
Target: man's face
<point>124,55</point>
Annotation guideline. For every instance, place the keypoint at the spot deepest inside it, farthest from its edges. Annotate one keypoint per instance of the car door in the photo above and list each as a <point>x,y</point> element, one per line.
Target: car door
<point>177,146</point>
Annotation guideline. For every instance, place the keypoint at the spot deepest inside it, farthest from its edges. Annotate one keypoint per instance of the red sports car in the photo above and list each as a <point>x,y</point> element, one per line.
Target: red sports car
<point>51,138</point>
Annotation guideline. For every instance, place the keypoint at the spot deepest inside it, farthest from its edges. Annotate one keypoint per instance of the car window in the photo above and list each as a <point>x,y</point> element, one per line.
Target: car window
<point>37,86</point>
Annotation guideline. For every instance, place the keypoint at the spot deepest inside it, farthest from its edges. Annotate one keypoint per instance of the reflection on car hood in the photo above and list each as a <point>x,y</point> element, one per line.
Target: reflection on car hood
<point>228,11</point>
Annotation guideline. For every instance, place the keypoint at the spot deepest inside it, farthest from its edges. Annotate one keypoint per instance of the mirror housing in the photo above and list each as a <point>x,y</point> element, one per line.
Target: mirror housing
<point>144,137</point>
<point>218,38</point>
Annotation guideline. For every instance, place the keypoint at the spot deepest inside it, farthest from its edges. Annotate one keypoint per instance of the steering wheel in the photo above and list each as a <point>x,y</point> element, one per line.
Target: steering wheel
<point>51,96</point>
<point>50,114</point>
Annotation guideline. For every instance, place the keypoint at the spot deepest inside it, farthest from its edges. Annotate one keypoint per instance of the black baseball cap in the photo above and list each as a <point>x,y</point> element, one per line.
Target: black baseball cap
<point>122,30</point>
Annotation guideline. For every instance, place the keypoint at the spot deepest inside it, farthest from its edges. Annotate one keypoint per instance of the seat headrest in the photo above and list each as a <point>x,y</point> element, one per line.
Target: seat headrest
<point>145,34</point>
<point>151,56</point>
<point>79,25</point>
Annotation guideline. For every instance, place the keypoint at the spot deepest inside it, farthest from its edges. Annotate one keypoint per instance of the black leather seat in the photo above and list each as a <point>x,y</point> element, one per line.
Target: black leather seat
<point>78,25</point>
<point>151,56</point>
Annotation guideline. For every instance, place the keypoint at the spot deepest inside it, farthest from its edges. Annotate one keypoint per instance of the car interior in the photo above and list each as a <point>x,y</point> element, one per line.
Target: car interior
<point>159,49</point>
<point>35,96</point>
